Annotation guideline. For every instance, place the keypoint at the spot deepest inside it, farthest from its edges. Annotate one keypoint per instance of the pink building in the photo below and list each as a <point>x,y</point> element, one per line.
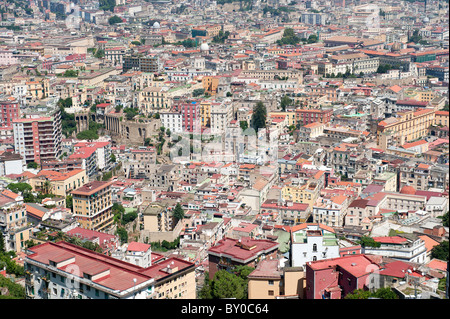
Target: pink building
<point>190,116</point>
<point>337,277</point>
<point>9,111</point>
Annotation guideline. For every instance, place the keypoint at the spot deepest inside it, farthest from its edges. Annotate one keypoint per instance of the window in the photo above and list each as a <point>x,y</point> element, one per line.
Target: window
<point>314,247</point>
<point>270,293</point>
<point>270,282</point>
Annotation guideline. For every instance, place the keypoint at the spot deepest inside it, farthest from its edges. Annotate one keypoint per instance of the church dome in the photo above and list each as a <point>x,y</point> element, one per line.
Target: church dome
<point>204,47</point>
<point>156,25</point>
<point>409,190</point>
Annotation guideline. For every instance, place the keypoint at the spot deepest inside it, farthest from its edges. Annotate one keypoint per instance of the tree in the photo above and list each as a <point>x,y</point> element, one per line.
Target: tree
<point>123,235</point>
<point>87,135</point>
<point>227,285</point>
<point>107,5</point>
<point>178,212</point>
<point>312,38</point>
<point>358,294</point>
<point>368,242</point>
<point>198,92</point>
<point>114,19</point>
<point>33,165</point>
<point>69,201</point>
<point>243,125</point>
<point>100,53</point>
<point>445,220</point>
<point>259,116</point>
<point>285,101</point>
<point>440,251</point>
<point>382,293</point>
<point>19,187</point>
<point>289,37</point>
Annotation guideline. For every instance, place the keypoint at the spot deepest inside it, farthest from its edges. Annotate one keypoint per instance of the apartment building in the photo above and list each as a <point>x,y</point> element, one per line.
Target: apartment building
<point>9,111</point>
<point>423,176</point>
<point>228,253</point>
<point>331,210</point>
<point>65,271</point>
<point>190,112</point>
<point>221,115</point>
<point>405,247</point>
<point>289,213</point>
<point>334,278</point>
<point>406,127</point>
<point>14,226</point>
<point>172,121</point>
<point>58,183</point>
<point>115,55</point>
<point>306,193</point>
<point>308,116</point>
<point>148,64</point>
<point>266,281</point>
<point>38,139</point>
<point>154,100</point>
<point>92,205</point>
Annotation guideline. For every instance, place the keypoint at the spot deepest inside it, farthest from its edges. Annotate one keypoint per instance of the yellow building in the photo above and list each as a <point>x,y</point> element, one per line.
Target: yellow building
<point>56,183</point>
<point>210,84</point>
<point>290,117</point>
<point>37,89</point>
<point>266,281</point>
<point>205,113</point>
<point>408,126</point>
<point>92,205</point>
<point>306,194</point>
<point>179,281</point>
<point>154,99</point>
<point>442,118</point>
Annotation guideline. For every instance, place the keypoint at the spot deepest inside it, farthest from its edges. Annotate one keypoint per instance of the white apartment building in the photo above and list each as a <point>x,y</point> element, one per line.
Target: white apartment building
<point>330,211</point>
<point>172,121</point>
<point>65,271</point>
<point>221,115</point>
<point>411,249</point>
<point>311,242</point>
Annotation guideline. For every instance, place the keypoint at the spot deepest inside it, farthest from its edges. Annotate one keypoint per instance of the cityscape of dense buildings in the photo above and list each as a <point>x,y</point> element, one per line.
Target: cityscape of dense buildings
<point>224,149</point>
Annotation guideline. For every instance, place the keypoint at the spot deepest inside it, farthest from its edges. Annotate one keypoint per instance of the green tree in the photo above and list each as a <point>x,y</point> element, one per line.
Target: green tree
<point>69,201</point>
<point>259,116</point>
<point>19,187</point>
<point>33,165</point>
<point>87,135</point>
<point>359,294</point>
<point>16,291</point>
<point>366,241</point>
<point>440,251</point>
<point>100,53</point>
<point>385,293</point>
<point>107,5</point>
<point>178,212</point>
<point>114,19</point>
<point>243,125</point>
<point>123,235</point>
<point>227,285</point>
<point>445,220</point>
<point>285,101</point>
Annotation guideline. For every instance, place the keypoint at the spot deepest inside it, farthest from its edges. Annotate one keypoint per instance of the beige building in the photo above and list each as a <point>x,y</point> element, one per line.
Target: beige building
<point>408,126</point>
<point>56,183</point>
<point>266,281</point>
<point>178,282</point>
<point>92,205</point>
